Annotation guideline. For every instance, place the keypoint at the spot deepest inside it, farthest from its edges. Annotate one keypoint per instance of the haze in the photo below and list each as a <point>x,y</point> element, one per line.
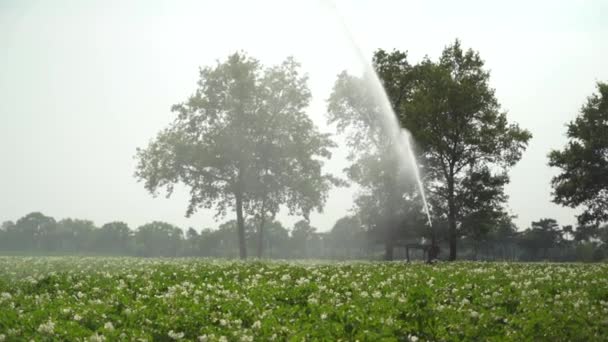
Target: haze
<point>83,83</point>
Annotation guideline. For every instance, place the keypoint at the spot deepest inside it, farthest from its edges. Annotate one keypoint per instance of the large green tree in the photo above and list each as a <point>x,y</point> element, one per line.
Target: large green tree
<point>583,180</point>
<point>243,141</point>
<point>387,196</point>
<point>462,133</point>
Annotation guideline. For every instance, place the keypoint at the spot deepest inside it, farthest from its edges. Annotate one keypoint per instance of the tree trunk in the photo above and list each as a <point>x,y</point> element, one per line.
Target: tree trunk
<point>261,234</point>
<point>388,251</point>
<point>475,250</point>
<point>240,221</point>
<point>451,220</point>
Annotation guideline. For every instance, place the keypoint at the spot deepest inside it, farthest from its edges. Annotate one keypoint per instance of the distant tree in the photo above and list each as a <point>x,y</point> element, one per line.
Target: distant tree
<point>603,235</point>
<point>192,242</point>
<point>302,235</point>
<point>33,231</point>
<point>7,229</point>
<point>243,141</point>
<point>583,180</point>
<point>223,241</point>
<point>504,237</point>
<point>585,233</point>
<point>347,237</point>
<point>191,233</point>
<point>278,240</point>
<point>7,225</point>
<point>274,241</point>
<point>76,235</point>
<point>481,206</point>
<point>114,237</point>
<point>159,239</point>
<point>458,125</point>
<point>541,236</point>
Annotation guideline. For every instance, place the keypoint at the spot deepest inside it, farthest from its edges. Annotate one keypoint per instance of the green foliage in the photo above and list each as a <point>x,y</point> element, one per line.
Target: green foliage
<point>243,141</point>
<point>466,143</point>
<point>158,238</point>
<point>48,299</point>
<point>388,203</point>
<point>583,163</point>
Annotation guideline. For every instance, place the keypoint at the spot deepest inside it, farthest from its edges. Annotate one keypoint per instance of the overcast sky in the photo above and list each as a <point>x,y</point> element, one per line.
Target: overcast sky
<point>83,83</point>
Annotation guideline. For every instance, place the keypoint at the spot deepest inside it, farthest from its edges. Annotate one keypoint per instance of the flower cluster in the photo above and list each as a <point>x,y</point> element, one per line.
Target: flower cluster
<point>134,299</point>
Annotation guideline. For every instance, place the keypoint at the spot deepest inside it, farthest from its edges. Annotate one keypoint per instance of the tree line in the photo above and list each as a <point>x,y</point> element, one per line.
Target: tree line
<point>244,145</point>
<point>243,141</point>
<point>38,234</point>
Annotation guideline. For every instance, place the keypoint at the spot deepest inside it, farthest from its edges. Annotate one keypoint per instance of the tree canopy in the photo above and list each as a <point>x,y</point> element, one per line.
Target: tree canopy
<point>243,141</point>
<point>464,138</point>
<point>388,201</point>
<point>583,162</point>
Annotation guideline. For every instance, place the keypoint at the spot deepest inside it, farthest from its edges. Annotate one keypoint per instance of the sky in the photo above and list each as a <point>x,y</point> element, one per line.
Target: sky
<point>83,83</point>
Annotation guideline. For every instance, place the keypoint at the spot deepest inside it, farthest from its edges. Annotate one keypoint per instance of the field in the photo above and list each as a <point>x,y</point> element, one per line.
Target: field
<point>115,299</point>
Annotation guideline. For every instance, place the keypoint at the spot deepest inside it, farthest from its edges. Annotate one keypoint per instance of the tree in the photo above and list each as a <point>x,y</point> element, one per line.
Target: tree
<point>301,236</point>
<point>481,205</point>
<point>346,236</point>
<point>388,195</point>
<point>192,238</point>
<point>276,239</point>
<point>159,239</point>
<point>504,236</point>
<point>114,237</point>
<point>583,180</point>
<point>458,125</point>
<point>33,231</point>
<point>243,141</point>
<point>542,235</point>
<point>7,231</point>
<point>75,234</point>
<point>266,234</point>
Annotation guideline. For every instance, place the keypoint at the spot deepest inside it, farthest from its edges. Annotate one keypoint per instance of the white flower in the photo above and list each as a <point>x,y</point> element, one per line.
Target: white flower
<point>256,325</point>
<point>176,335</point>
<point>47,328</point>
<point>77,317</point>
<point>223,339</point>
<point>2,337</point>
<point>246,338</point>
<point>109,326</point>
<point>323,316</point>
<point>412,338</point>
<point>203,338</point>
<point>474,314</point>
<point>97,338</point>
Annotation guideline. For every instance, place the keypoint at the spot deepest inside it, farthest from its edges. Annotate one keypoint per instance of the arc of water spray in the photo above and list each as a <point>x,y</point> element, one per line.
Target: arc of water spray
<point>400,137</point>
